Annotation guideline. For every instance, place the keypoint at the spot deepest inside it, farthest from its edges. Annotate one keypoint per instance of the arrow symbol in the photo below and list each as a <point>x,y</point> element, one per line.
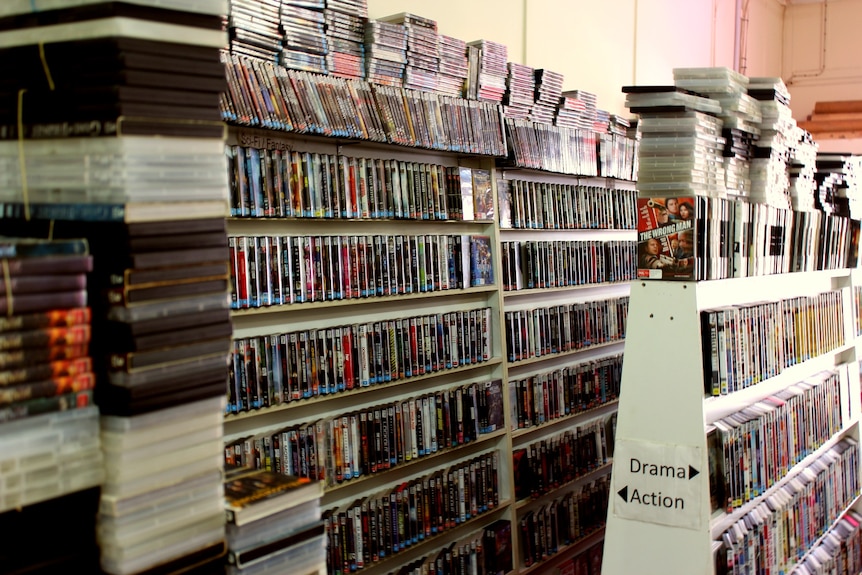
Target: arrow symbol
<point>692,472</point>
<point>624,493</point>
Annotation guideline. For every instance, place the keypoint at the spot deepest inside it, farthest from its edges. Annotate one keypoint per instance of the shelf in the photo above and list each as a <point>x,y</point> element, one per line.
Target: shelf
<point>275,133</point>
<point>820,539</point>
<point>566,552</point>
<point>570,419</point>
<point>579,231</point>
<point>509,294</point>
<point>587,179</point>
<point>306,306</point>
<point>541,358</point>
<point>735,291</point>
<point>600,471</point>
<point>724,521</point>
<point>716,407</point>
<point>335,491</point>
<point>312,401</point>
<point>418,549</point>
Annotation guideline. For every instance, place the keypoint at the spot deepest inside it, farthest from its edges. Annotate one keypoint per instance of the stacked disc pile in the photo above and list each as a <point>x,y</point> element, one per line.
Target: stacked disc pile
<point>681,146</point>
<point>150,170</point>
<point>801,170</point>
<point>385,53</point>
<point>770,183</point>
<point>453,66</point>
<point>618,125</point>
<point>520,88</point>
<point>838,184</point>
<point>49,425</point>
<point>345,35</point>
<point>570,112</point>
<point>588,114</point>
<point>602,123</point>
<point>423,62</point>
<point>305,46</point>
<point>254,28</point>
<point>549,88</point>
<point>491,71</point>
<point>740,115</point>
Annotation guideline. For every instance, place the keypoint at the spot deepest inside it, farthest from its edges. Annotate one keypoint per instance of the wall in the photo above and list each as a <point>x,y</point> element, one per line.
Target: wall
<point>599,46</point>
<point>821,58</point>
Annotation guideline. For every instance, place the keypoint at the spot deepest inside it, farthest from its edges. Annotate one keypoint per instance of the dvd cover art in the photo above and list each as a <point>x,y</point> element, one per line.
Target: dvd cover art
<point>481,266</point>
<point>666,238</point>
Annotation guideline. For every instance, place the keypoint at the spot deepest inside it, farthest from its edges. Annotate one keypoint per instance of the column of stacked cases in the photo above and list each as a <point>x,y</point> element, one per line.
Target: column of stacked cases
<point>161,322</point>
<point>49,425</point>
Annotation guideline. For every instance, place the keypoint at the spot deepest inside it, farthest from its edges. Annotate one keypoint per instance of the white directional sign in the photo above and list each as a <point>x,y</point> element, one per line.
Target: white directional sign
<point>658,483</point>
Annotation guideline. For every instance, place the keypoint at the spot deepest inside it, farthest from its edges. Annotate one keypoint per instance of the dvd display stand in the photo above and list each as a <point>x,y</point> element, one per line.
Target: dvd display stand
<point>352,318</point>
<point>319,360</point>
<point>667,476</point>
<point>567,249</point>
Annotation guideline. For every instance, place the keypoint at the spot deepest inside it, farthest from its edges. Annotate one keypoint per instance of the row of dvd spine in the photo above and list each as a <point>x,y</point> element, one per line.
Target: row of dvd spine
<point>761,443</point>
<point>383,524</point>
<point>281,368</point>
<point>261,94</point>
<point>744,345</point>
<point>549,463</point>
<point>294,184</point>
<point>563,521</point>
<point>282,270</point>
<point>377,438</point>
<point>558,329</point>
<point>547,206</point>
<point>532,265</point>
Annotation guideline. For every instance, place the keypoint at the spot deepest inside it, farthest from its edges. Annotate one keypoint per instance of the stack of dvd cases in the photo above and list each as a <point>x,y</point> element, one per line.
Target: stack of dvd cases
<point>770,183</point>
<point>488,71</point>
<point>740,114</point>
<point>801,170</point>
<point>520,88</point>
<point>254,28</point>
<point>453,66</point>
<point>680,151</point>
<point>49,425</point>
<point>837,184</point>
<point>305,41</point>
<point>345,34</point>
<point>549,88</point>
<point>423,61</point>
<point>386,53</point>
<point>570,110</point>
<point>588,114</point>
<point>147,188</point>
<point>274,523</point>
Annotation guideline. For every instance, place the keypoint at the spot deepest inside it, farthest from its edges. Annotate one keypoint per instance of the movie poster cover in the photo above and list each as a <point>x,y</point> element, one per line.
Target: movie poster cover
<point>666,236</point>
